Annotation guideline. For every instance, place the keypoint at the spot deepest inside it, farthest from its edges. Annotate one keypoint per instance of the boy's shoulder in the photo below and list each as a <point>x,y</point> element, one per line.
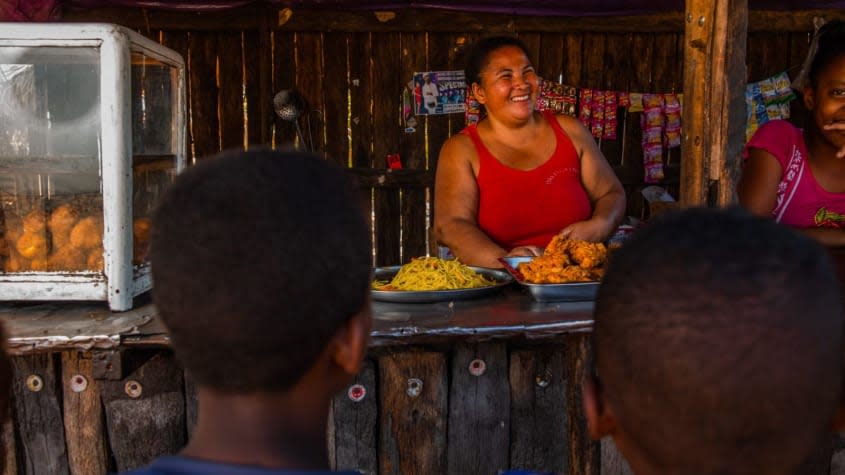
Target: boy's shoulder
<point>178,465</point>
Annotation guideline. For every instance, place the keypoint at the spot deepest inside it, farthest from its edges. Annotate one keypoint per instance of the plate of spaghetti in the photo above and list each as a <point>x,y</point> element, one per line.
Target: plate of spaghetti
<point>431,279</point>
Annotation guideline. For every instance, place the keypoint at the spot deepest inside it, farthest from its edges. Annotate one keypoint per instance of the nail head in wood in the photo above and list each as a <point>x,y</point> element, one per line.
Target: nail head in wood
<point>133,388</point>
<point>477,367</point>
<point>34,383</point>
<point>356,392</point>
<point>415,386</point>
<point>78,383</point>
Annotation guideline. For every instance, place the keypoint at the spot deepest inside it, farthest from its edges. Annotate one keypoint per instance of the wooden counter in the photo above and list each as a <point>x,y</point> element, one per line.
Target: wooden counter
<point>491,376</point>
<point>463,387</point>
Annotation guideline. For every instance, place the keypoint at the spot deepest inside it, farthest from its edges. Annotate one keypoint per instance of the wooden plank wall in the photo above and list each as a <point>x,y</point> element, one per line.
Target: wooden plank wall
<point>464,409</point>
<point>352,82</point>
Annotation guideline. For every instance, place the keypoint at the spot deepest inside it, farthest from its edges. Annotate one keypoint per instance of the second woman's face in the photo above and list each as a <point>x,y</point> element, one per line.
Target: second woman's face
<point>508,83</point>
<point>827,101</point>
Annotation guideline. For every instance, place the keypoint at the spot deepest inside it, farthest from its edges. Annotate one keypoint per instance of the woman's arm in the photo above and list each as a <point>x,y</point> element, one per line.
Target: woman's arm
<point>603,187</point>
<point>758,186</point>
<point>456,206</point>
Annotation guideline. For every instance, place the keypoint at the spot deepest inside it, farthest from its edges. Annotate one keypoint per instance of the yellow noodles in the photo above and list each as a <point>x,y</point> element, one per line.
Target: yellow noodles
<point>432,273</point>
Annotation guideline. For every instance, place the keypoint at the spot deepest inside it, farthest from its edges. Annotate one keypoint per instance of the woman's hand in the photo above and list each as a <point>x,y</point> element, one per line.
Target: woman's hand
<point>840,126</point>
<point>525,251</point>
<point>593,230</point>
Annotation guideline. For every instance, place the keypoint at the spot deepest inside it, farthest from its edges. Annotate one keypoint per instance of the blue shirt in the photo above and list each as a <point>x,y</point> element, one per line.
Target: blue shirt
<point>179,465</point>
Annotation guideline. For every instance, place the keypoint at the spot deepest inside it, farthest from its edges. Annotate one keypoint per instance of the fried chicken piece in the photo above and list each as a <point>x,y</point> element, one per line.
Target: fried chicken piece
<point>588,255</point>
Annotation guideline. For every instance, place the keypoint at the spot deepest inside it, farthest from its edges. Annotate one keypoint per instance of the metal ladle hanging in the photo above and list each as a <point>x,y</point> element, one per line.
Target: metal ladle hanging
<point>289,106</point>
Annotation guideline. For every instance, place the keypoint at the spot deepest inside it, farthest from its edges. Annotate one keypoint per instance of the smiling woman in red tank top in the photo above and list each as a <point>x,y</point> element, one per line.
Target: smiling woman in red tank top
<point>518,178</point>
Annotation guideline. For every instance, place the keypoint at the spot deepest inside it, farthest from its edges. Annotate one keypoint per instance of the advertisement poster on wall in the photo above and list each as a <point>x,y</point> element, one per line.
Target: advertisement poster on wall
<point>439,92</point>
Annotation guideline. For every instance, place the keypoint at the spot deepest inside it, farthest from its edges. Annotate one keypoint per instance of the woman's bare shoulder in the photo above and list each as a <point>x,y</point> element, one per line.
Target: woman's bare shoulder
<point>458,146</point>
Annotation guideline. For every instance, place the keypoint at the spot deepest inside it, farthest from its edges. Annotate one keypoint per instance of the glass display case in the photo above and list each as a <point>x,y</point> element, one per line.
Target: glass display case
<point>92,131</point>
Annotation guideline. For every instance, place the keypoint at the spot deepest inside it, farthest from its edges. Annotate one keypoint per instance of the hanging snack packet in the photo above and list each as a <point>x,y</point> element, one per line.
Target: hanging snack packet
<point>609,127</point>
<point>672,109</point>
<point>624,99</point>
<point>768,91</point>
<point>597,122</point>
<point>570,98</point>
<point>636,102</point>
<point>585,102</point>
<point>785,111</point>
<point>773,112</point>
<point>760,111</point>
<point>783,87</point>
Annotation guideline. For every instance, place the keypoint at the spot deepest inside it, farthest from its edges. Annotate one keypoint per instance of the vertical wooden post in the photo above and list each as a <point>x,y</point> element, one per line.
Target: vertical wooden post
<point>479,410</point>
<point>10,459</point>
<point>539,412</point>
<point>83,416</point>
<point>714,87</point>
<point>413,413</point>
<point>355,420</point>
<point>149,401</point>
<point>584,453</point>
<point>38,415</point>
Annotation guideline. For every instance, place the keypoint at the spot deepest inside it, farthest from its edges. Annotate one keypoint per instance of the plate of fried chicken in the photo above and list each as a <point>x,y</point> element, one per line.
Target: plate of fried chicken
<point>569,270</point>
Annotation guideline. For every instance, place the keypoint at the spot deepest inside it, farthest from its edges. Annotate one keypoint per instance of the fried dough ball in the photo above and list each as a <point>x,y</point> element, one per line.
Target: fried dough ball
<point>61,222</point>
<point>95,260</point>
<point>67,258</point>
<point>32,246</point>
<point>13,228</point>
<point>34,222</point>
<point>140,239</point>
<point>14,263</point>
<point>39,264</point>
<point>87,233</point>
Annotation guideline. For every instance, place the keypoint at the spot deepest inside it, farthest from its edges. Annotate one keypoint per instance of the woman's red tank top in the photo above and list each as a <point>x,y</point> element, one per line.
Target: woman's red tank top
<point>520,208</point>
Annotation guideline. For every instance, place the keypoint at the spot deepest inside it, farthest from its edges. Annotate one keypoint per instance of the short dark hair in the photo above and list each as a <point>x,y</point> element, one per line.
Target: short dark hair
<point>718,342</point>
<point>831,46</point>
<point>479,54</point>
<point>258,257</point>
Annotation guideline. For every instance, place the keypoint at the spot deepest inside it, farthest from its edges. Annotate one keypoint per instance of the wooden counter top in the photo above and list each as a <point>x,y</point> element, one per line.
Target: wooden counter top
<point>512,313</point>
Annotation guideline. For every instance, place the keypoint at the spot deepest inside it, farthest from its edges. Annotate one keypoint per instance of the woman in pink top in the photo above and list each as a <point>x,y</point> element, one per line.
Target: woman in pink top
<point>798,176</point>
<point>473,214</point>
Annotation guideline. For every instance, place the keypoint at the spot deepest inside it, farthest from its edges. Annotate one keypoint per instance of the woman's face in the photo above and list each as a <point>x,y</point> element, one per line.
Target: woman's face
<point>826,101</point>
<point>508,83</point>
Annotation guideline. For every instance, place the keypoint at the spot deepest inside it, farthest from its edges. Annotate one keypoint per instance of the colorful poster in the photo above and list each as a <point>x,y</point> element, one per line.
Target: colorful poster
<point>439,92</point>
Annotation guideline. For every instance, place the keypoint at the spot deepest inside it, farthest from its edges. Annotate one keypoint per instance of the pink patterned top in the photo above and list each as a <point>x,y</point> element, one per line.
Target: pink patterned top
<point>801,201</point>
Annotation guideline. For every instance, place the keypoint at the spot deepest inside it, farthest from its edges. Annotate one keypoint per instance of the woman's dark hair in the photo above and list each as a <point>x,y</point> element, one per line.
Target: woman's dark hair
<point>480,52</point>
<point>831,45</point>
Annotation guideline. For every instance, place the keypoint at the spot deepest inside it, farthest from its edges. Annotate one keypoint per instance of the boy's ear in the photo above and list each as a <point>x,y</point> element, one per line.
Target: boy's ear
<point>600,419</point>
<point>352,341</point>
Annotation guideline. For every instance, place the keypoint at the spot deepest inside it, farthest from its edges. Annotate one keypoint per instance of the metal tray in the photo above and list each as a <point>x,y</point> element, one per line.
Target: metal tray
<point>501,277</point>
<point>572,292</point>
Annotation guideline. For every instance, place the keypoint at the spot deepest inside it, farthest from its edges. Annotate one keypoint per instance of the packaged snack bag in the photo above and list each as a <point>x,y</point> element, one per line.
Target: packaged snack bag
<point>597,120</point>
<point>768,91</point>
<point>585,102</point>
<point>636,102</point>
<point>783,87</point>
<point>609,128</point>
<point>624,99</point>
<point>672,109</point>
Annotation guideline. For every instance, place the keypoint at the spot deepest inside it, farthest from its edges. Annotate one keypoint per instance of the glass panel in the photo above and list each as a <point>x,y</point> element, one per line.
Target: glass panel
<point>154,109</point>
<point>50,159</point>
